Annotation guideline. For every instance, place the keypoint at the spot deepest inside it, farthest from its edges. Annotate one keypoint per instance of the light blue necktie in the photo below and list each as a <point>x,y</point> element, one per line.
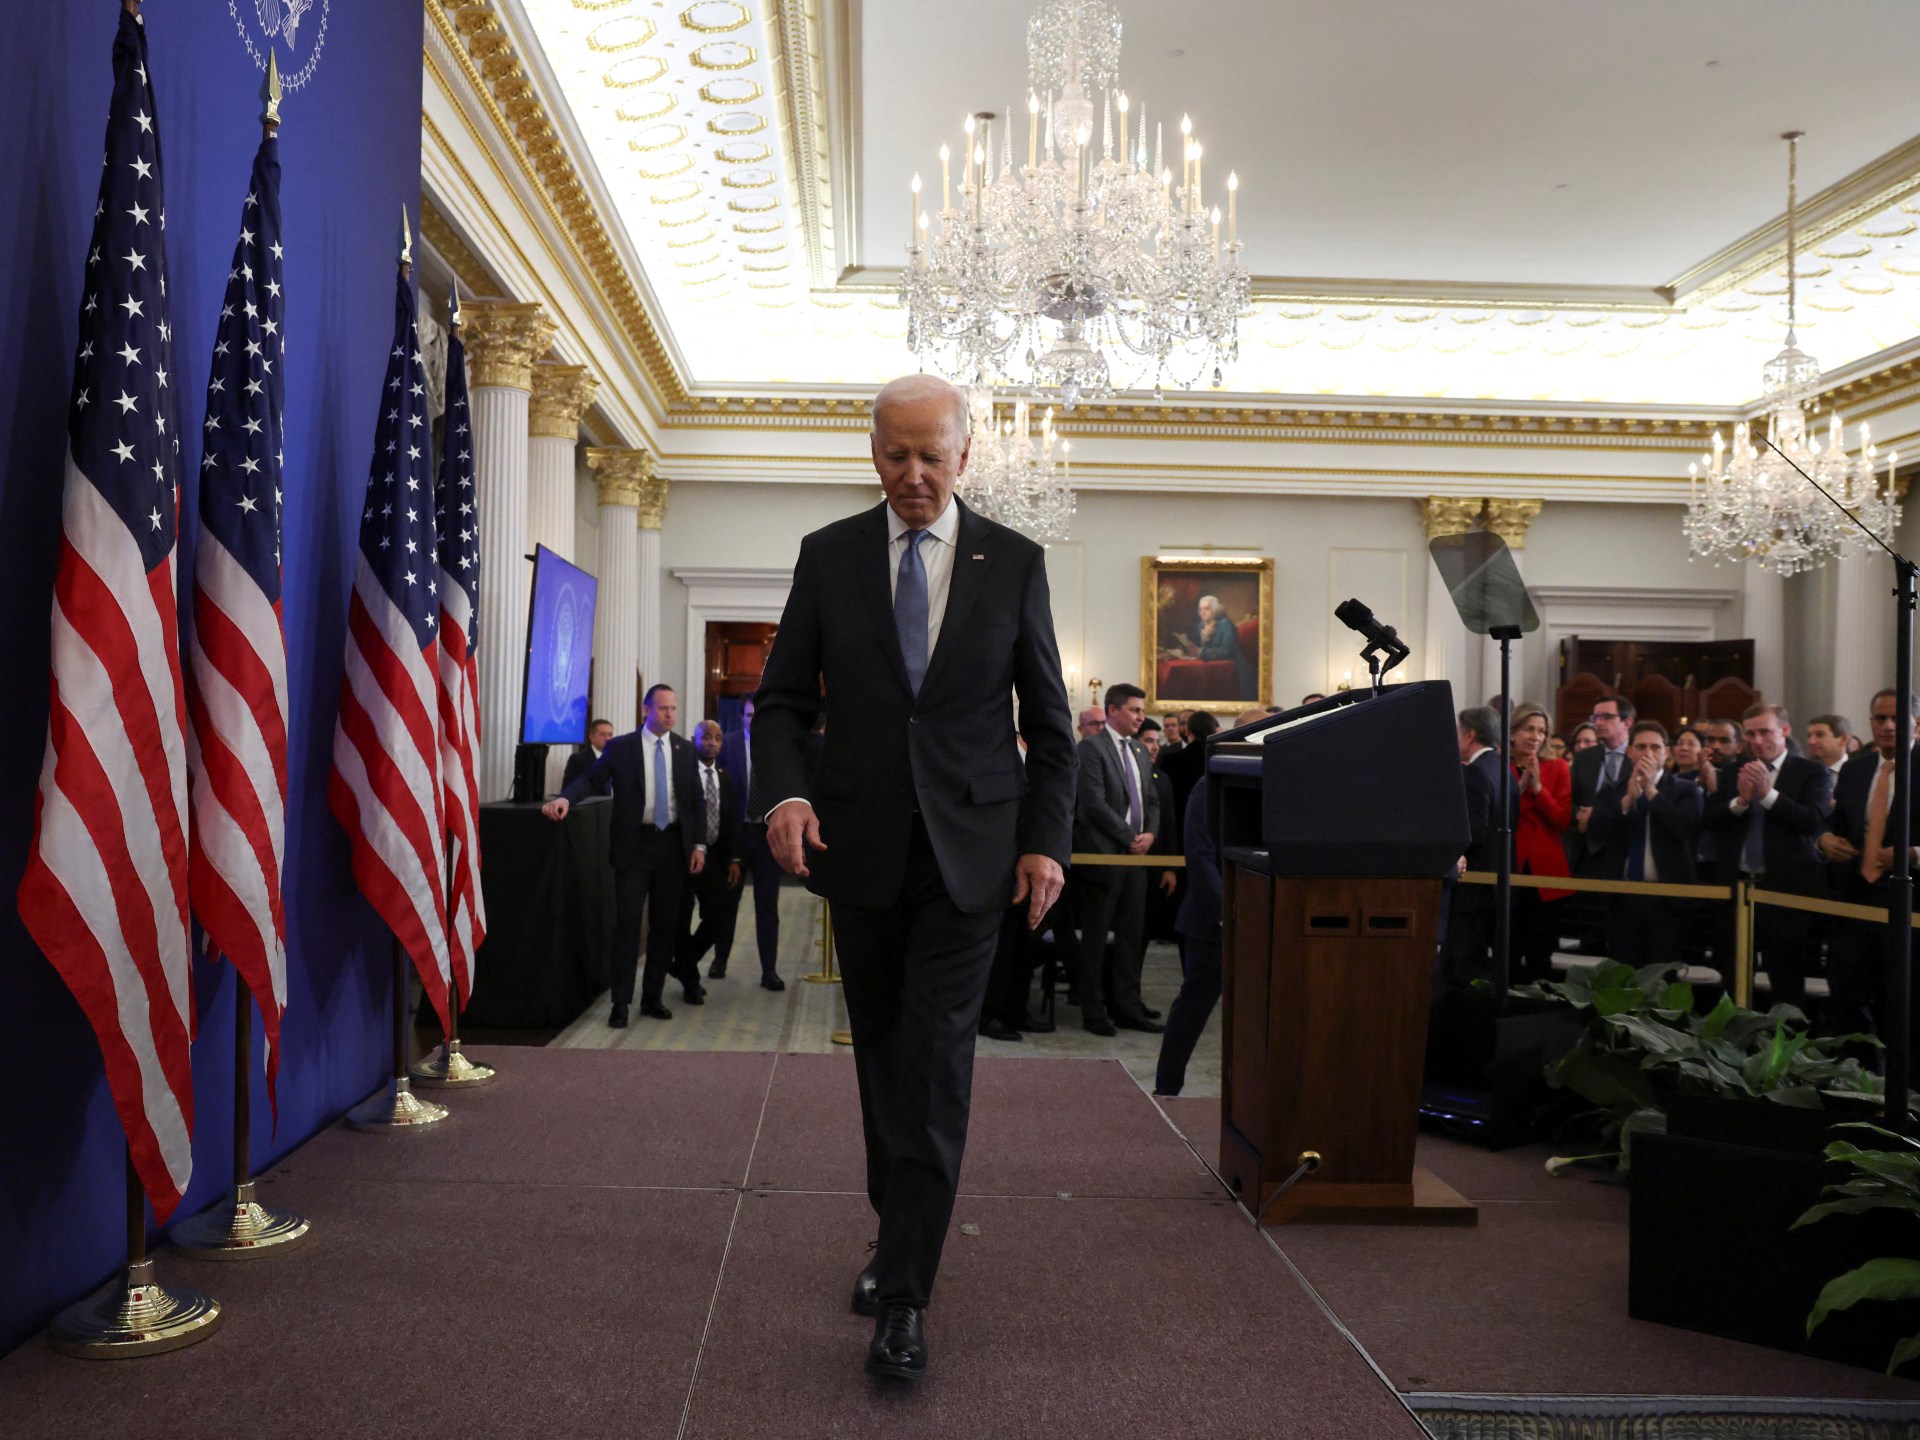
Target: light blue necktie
<point>1136,813</point>
<point>660,782</point>
<point>910,609</point>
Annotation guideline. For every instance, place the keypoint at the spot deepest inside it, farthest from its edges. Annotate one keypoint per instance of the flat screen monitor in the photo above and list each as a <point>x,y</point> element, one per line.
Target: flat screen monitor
<point>559,652</point>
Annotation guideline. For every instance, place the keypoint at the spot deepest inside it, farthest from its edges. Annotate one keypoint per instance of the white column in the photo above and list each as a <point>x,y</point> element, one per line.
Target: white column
<point>1445,657</point>
<point>653,514</point>
<point>1509,520</point>
<point>1764,618</point>
<point>501,340</point>
<point>1862,636</point>
<point>616,624</point>
<point>561,394</point>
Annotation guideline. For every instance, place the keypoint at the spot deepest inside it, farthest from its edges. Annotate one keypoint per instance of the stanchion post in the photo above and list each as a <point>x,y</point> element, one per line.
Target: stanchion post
<point>1899,1019</point>
<point>133,1314</point>
<point>827,974</point>
<point>396,1107</point>
<point>241,1228</point>
<point>1743,944</point>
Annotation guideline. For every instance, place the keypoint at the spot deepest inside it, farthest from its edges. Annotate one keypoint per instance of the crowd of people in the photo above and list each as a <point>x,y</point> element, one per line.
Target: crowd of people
<point>1618,797</point>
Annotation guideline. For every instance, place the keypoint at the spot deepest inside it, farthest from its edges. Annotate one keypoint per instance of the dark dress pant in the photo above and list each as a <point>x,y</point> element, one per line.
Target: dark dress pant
<point>1189,1013</point>
<point>1111,898</point>
<point>717,932</point>
<point>649,887</point>
<point>715,898</point>
<point>915,975</point>
<point>1645,930</point>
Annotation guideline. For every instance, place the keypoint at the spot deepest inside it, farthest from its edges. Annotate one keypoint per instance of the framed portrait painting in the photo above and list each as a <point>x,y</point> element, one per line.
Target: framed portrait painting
<point>1206,632</point>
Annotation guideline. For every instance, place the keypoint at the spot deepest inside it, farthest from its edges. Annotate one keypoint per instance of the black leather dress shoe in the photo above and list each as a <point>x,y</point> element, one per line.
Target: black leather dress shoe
<point>1151,1013</point>
<point>618,1019</point>
<point>866,1292</point>
<point>996,1029</point>
<point>1032,1026</point>
<point>772,982</point>
<point>694,995</point>
<point>716,972</point>
<point>1140,1023</point>
<point>654,1010</point>
<point>1099,1025</point>
<point>899,1348</point>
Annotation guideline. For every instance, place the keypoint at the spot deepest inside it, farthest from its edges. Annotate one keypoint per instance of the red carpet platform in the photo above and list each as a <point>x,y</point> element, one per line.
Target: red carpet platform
<point>660,1245</point>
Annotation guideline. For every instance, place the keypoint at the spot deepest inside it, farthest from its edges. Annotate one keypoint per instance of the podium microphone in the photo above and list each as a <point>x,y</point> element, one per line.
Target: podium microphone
<point>1380,637</point>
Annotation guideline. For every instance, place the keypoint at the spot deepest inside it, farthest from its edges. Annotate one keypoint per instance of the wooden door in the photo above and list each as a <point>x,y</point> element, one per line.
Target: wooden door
<point>736,656</point>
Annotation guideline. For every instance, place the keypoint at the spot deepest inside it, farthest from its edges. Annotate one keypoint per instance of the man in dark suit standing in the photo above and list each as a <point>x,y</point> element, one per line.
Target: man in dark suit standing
<point>599,732</point>
<point>716,888</point>
<point>656,844</point>
<point>1594,767</point>
<point>1116,812</point>
<point>1163,888</point>
<point>923,622</point>
<point>1648,825</point>
<point>1466,951</point>
<point>736,758</point>
<point>1858,847</point>
<point>1770,818</point>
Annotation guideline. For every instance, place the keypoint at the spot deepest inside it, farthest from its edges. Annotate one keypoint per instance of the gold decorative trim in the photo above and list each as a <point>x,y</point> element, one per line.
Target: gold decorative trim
<point>1151,602</point>
<point>653,501</point>
<point>616,47</point>
<point>1449,515</point>
<point>478,39</point>
<point>561,395</point>
<point>1509,520</point>
<point>714,55</point>
<point>503,339</point>
<point>753,90</point>
<point>758,123</point>
<point>795,33</point>
<point>748,179</point>
<point>468,268</point>
<point>703,27</point>
<point>619,473</point>
<point>659,65</point>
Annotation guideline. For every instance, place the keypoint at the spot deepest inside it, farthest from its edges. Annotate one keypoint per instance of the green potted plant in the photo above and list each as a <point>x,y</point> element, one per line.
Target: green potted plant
<point>1884,1180</point>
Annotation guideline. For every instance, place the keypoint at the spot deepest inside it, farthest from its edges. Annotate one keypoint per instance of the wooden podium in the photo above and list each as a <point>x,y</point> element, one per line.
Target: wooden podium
<point>1329,962</point>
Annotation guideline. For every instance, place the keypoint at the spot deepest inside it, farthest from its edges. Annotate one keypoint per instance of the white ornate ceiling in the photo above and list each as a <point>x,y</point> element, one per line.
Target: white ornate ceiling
<point>1526,202</point>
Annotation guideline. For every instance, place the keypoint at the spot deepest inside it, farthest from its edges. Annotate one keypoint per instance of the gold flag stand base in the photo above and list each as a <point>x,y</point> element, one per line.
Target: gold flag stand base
<point>395,1108</point>
<point>446,1066</point>
<point>133,1315</point>
<point>240,1229</point>
<point>841,1037</point>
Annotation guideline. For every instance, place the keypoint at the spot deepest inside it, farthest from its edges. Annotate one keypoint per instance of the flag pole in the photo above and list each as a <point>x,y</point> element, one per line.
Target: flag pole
<point>446,1067</point>
<point>244,1229</point>
<point>133,1314</point>
<point>396,1107</point>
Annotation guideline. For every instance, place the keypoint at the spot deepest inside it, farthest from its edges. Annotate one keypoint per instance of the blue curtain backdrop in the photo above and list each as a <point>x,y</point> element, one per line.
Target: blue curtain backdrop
<point>350,152</point>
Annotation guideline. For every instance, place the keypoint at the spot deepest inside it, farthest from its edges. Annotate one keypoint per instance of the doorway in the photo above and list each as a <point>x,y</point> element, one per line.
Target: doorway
<point>736,654</point>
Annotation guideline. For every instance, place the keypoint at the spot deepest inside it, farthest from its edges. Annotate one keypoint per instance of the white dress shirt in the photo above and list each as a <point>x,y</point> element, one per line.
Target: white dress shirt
<point>936,554</point>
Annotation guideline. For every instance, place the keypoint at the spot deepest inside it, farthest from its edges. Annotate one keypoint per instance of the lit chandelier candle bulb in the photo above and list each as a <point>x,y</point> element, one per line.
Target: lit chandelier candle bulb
<point>1216,234</point>
<point>946,180</point>
<point>1233,207</point>
<point>1199,182</point>
<point>1121,104</point>
<point>1186,161</point>
<point>913,212</point>
<point>967,179</point>
<point>1033,130</point>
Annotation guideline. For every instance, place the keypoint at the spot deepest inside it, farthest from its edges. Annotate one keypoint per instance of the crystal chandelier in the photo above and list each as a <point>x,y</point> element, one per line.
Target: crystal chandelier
<point>1748,503</point>
<point>1087,260</point>
<point>1012,475</point>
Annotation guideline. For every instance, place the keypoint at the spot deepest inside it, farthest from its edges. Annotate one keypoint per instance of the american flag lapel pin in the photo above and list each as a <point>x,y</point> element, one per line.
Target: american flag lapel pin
<point>979,557</point>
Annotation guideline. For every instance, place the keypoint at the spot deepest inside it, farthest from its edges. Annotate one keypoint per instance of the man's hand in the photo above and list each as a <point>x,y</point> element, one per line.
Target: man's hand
<point>792,830</point>
<point>1142,843</point>
<point>1838,847</point>
<point>1167,881</point>
<point>556,808</point>
<point>1755,782</point>
<point>1581,817</point>
<point>697,861</point>
<point>1709,776</point>
<point>733,875</point>
<point>1038,880</point>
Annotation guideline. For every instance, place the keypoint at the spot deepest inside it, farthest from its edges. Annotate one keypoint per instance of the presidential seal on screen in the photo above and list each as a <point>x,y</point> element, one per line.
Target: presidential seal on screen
<point>566,637</point>
<point>297,27</point>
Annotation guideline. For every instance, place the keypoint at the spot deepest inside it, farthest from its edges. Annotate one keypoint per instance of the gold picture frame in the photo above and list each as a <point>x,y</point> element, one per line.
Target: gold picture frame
<point>1190,664</point>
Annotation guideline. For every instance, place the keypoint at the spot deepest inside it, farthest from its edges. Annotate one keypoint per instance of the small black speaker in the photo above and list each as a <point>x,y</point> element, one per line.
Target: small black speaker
<point>529,774</point>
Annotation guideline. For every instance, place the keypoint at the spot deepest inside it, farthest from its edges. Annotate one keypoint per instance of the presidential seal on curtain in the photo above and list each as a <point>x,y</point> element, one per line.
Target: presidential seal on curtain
<point>1206,629</point>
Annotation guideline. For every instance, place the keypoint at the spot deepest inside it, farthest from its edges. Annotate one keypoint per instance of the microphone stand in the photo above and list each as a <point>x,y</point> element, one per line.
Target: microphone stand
<point>1503,823</point>
<point>1898,1022</point>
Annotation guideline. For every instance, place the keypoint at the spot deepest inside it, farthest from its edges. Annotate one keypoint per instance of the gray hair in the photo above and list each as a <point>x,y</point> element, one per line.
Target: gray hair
<point>1480,722</point>
<point>911,388</point>
<point>1214,601</point>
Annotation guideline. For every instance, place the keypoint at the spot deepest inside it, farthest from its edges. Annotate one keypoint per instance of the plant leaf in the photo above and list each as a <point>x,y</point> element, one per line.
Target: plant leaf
<point>1677,996</point>
<point>1908,1349</point>
<point>1888,1278</point>
<point>1856,1205</point>
<point>1717,1018</point>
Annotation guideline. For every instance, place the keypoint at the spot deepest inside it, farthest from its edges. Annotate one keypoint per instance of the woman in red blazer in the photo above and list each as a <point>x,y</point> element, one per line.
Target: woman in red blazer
<point>1546,810</point>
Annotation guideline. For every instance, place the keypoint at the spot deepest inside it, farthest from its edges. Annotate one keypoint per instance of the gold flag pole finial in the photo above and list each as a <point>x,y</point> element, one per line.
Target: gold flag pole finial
<point>406,240</point>
<point>270,96</point>
<point>454,318</point>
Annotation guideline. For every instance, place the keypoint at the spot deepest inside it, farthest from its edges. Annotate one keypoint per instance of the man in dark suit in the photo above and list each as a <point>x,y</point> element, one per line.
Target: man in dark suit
<point>1648,825</point>
<point>1163,888</point>
<point>923,622</point>
<point>1116,812</point>
<point>1593,767</point>
<point>599,732</point>
<point>656,844</point>
<point>716,887</point>
<point>1184,769</point>
<point>736,758</point>
<point>1465,954</point>
<point>1770,812</point>
<point>1858,848</point>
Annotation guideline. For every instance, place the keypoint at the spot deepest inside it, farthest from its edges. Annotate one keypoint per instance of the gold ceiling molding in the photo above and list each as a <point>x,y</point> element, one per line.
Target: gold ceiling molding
<point>638,31</point>
<point>798,61</point>
<point>715,17</point>
<point>1509,520</point>
<point>478,40</point>
<point>1449,514</point>
<point>733,90</point>
<point>619,473</point>
<point>503,340</point>
<point>468,268</point>
<point>561,395</point>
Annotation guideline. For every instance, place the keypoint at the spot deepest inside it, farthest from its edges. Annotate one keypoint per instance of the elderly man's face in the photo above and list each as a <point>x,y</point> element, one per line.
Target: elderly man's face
<point>1090,723</point>
<point>1208,610</point>
<point>919,450</point>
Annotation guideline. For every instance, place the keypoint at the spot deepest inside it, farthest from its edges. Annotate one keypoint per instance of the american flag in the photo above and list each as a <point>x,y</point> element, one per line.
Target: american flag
<point>385,786</point>
<point>458,522</point>
<point>105,889</point>
<point>237,701</point>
